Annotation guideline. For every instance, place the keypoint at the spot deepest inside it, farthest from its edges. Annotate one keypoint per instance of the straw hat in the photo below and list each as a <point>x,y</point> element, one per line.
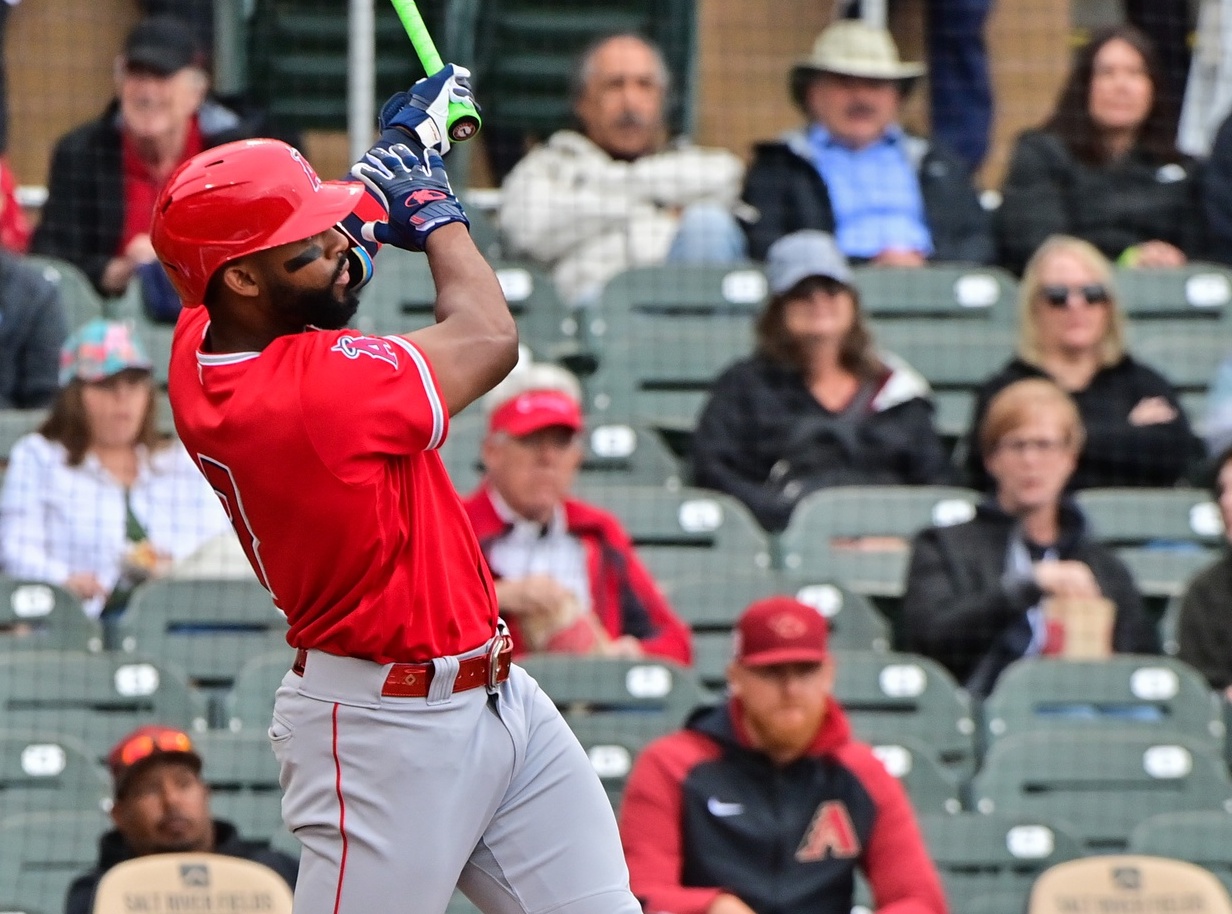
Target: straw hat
<point>850,47</point>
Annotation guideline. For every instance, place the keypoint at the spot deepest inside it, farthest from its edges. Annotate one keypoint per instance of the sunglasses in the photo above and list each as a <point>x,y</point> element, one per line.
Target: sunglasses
<point>144,746</point>
<point>1057,296</point>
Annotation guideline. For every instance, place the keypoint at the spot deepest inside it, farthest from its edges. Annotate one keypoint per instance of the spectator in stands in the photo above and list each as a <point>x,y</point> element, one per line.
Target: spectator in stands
<point>617,193</point>
<point>816,405</point>
<point>976,590</point>
<point>887,196</point>
<point>1071,330</point>
<point>567,578</point>
<point>32,328</point>
<point>106,174</point>
<point>95,500</point>
<point>1217,194</point>
<point>1105,166</point>
<point>163,806</point>
<point>1205,626</point>
<point>766,803</point>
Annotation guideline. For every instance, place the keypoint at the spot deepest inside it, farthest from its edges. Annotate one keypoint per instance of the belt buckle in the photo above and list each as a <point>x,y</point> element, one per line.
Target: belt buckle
<point>498,646</point>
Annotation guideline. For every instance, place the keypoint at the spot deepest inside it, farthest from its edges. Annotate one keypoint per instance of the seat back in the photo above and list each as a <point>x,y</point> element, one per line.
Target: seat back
<point>932,788</point>
<point>891,696</point>
<point>1200,836</point>
<point>941,292</point>
<point>1197,292</point>
<point>251,700</point>
<point>40,772</point>
<point>1127,882</point>
<point>1160,693</point>
<point>1101,782</point>
<point>79,298</point>
<point>242,773</point>
<point>42,852</point>
<point>16,423</point>
<point>191,881</point>
<point>986,854</point>
<point>39,616</point>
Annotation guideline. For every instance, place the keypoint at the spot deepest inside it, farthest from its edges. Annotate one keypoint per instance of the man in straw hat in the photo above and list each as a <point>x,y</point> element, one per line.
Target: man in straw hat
<point>888,197</point>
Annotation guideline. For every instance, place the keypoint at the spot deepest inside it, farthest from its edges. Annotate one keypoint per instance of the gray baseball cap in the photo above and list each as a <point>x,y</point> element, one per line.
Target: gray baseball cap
<point>803,254</point>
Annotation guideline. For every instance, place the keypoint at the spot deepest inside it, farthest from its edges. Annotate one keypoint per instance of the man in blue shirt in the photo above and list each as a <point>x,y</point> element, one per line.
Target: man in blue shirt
<point>887,196</point>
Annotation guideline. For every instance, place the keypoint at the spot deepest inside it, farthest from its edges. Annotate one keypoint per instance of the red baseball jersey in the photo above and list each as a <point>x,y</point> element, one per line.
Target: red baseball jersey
<point>322,450</point>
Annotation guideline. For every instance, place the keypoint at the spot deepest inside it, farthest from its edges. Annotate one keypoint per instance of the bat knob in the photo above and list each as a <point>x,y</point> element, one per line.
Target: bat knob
<point>463,128</point>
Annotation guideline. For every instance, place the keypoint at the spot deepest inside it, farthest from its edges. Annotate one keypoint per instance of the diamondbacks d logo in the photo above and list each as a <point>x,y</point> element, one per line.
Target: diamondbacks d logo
<point>353,346</point>
<point>830,834</point>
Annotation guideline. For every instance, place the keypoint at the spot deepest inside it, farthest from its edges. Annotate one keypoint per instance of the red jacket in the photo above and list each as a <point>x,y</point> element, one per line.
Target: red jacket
<point>705,813</point>
<point>623,595</point>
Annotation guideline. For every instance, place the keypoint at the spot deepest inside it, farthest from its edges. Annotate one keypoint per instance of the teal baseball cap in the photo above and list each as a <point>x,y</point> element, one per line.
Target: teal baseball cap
<point>99,349</point>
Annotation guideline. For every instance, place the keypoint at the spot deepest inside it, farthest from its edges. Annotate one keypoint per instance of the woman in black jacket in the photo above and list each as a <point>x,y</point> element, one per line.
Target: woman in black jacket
<point>976,590</point>
<point>1071,330</point>
<point>816,405</point>
<point>1104,166</point>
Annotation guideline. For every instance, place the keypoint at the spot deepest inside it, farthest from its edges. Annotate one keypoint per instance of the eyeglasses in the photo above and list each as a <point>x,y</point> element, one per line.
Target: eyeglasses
<point>1057,296</point>
<point>1020,447</point>
<point>145,745</point>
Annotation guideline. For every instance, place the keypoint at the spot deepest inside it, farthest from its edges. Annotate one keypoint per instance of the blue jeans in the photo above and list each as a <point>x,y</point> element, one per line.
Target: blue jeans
<point>961,92</point>
<point>708,233</point>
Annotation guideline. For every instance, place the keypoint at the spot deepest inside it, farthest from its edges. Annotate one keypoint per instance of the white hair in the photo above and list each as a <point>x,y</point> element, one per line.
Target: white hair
<point>528,375</point>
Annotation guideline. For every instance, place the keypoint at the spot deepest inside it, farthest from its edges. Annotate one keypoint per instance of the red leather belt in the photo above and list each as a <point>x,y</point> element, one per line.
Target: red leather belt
<point>411,680</point>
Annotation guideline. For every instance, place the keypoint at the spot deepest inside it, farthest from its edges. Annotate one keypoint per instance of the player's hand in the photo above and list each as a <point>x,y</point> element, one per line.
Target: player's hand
<point>1066,579</point>
<point>421,111</point>
<point>415,193</point>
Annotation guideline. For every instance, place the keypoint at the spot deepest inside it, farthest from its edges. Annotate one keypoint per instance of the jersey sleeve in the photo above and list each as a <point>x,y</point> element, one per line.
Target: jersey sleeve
<point>370,395</point>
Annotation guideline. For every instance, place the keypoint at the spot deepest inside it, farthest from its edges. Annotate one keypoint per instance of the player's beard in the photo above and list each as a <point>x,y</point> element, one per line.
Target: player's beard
<point>322,308</point>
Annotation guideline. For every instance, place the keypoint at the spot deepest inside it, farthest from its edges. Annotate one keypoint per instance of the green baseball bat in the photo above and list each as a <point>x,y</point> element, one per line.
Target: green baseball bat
<point>462,121</point>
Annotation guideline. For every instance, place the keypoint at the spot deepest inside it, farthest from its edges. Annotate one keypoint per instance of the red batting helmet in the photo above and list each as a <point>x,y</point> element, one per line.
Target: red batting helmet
<point>237,199</point>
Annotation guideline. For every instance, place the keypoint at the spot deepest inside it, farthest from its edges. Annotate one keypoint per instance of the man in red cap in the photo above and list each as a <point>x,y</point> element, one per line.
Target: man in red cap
<point>766,804</point>
<point>566,575</point>
<point>163,806</point>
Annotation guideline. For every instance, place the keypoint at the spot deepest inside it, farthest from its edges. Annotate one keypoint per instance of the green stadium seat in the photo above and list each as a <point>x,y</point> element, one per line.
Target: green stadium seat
<point>15,424</point>
<point>251,702</point>
<point>80,299</point>
<point>943,292</point>
<point>98,697</point>
<point>931,787</point>
<point>1197,836</point>
<point>41,772</point>
<point>39,616</point>
<point>242,774</point>
<point>1198,292</point>
<point>1055,695</point>
<point>890,697</point>
<point>1165,536</point>
<point>40,855</point>
<point>1169,625</point>
<point>157,340</point>
<point>982,855</point>
<point>1101,783</point>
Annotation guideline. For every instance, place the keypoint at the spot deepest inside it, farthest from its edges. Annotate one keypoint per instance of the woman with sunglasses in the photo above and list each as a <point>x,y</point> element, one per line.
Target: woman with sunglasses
<point>1105,166</point>
<point>1071,330</point>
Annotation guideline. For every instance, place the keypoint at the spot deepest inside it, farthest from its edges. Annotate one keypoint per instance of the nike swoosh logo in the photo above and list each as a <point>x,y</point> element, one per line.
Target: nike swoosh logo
<point>718,808</point>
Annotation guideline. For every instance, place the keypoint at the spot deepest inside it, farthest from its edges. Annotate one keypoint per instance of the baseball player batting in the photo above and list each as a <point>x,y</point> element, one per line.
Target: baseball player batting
<point>414,757</point>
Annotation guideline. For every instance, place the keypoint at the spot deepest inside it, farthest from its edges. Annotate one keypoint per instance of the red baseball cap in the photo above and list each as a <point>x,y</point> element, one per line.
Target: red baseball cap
<point>533,410</point>
<point>146,744</point>
<point>780,630</point>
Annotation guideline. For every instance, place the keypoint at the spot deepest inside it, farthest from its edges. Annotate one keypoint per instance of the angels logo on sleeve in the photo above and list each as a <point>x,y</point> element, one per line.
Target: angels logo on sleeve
<point>374,347</point>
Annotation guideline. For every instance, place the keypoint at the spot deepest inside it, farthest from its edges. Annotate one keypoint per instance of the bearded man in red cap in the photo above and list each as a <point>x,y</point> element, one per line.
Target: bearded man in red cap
<point>766,804</point>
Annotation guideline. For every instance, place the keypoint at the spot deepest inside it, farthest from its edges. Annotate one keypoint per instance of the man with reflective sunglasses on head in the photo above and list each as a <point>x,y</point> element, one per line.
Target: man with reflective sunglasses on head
<point>162,806</point>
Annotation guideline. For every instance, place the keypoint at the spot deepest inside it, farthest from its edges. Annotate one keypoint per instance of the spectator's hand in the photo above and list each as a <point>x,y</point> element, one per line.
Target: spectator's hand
<point>420,113</point>
<point>1066,579</point>
<point>896,257</point>
<point>626,647</point>
<point>1151,254</point>
<point>729,904</point>
<point>85,585</point>
<point>140,250</point>
<point>536,595</point>
<point>415,193</point>
<point>1151,411</point>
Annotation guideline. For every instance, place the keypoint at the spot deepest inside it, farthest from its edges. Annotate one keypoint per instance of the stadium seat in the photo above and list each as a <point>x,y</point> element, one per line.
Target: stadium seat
<point>1164,535</point>
<point>158,882</point>
<point>1127,882</point>
<point>889,697</point>
<point>157,340</point>
<point>16,423</point>
<point>861,534</point>
<point>39,616</point>
<point>205,629</point>
<point>1100,782</point>
<point>979,855</point>
<point>250,704</point>
<point>1198,836</point>
<point>242,773</point>
<point>931,787</point>
<point>1155,693</point>
<point>943,292</point>
<point>40,855</point>
<point>40,772</point>
<point>98,697</point>
<point>1197,292</point>
<point>685,532</point>
<point>78,296</point>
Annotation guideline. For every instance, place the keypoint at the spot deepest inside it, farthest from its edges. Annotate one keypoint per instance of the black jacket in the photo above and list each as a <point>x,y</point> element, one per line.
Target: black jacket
<point>33,326</point>
<point>787,191</point>
<point>1047,191</point>
<point>1116,453</point>
<point>765,439</point>
<point>113,850</point>
<point>83,218</point>
<point>1205,625</point>
<point>963,607</point>
<point>1217,194</point>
